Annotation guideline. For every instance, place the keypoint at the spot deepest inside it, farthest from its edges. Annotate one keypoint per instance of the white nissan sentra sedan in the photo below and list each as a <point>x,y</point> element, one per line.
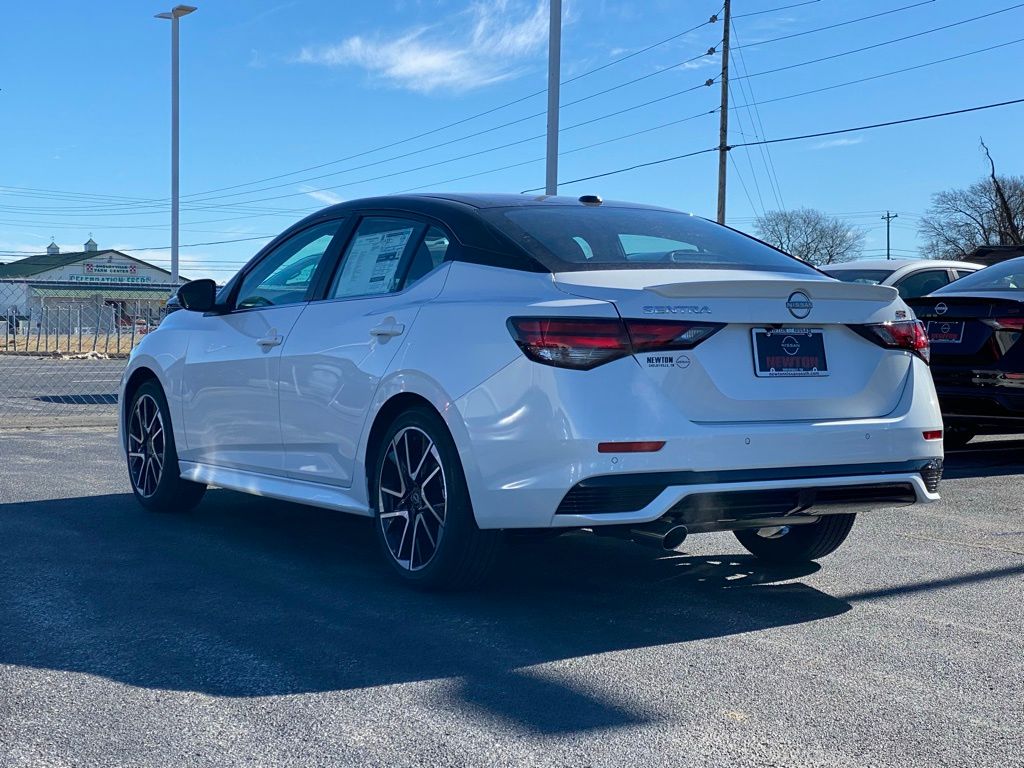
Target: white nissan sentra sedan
<point>458,366</point>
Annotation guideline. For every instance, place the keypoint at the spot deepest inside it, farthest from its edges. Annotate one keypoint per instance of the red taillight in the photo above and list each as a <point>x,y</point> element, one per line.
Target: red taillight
<point>909,335</point>
<point>569,342</point>
<point>932,434</point>
<point>585,343</point>
<point>646,446</point>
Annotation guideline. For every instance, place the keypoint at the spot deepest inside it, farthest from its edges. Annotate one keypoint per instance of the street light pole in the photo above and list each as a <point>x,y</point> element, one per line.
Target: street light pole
<point>554,79</point>
<point>174,14</point>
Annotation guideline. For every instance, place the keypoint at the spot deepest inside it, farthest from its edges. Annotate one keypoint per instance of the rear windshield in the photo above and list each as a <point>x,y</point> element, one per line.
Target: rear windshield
<point>1008,276</point>
<point>568,239</point>
<point>866,276</point>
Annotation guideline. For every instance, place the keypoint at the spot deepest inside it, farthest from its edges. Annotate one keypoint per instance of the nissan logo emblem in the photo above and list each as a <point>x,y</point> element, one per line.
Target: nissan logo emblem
<point>941,308</point>
<point>799,304</point>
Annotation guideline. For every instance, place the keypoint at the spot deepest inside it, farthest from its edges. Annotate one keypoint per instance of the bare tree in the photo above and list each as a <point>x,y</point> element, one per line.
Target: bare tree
<point>959,220</point>
<point>989,212</point>
<point>811,235</point>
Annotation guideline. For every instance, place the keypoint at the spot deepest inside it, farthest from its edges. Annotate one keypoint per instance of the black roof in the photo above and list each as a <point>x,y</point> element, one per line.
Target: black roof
<point>473,200</point>
<point>459,210</point>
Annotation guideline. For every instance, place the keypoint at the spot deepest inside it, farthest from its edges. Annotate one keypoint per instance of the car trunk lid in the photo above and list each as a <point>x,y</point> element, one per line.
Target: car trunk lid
<point>766,319</point>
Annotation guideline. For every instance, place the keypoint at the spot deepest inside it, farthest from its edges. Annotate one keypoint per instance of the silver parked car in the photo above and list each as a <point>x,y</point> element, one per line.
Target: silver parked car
<point>911,277</point>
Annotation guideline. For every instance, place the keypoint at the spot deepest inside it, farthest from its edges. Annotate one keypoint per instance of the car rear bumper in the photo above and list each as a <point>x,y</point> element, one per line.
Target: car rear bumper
<point>709,501</point>
<point>529,438</point>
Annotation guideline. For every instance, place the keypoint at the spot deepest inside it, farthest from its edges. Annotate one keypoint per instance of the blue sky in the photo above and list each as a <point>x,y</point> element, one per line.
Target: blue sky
<point>271,86</point>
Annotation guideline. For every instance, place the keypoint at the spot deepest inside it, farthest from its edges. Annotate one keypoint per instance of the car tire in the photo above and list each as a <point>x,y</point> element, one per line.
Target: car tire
<point>957,438</point>
<point>153,457</point>
<point>416,479</point>
<point>800,543</point>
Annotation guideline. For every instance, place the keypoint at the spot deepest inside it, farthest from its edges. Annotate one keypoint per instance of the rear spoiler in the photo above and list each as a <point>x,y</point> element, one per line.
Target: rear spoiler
<point>776,289</point>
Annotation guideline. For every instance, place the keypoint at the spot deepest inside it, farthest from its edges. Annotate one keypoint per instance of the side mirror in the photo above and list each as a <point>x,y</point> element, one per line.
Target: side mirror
<point>198,295</point>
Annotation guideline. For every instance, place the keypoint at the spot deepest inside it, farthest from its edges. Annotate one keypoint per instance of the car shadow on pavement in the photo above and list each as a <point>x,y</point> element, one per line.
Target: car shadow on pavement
<point>252,597</point>
<point>987,458</point>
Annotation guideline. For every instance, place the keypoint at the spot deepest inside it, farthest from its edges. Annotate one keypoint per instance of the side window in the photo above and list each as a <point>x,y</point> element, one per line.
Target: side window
<point>922,283</point>
<point>427,256</point>
<point>285,275</point>
<point>962,273</point>
<point>372,261</point>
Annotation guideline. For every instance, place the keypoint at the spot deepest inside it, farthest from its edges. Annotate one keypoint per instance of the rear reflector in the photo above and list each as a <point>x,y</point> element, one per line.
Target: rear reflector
<point>932,434</point>
<point>585,343</point>
<point>908,335</point>
<point>648,446</point>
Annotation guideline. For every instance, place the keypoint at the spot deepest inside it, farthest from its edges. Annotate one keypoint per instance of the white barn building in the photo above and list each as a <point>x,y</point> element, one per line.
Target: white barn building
<point>89,287</point>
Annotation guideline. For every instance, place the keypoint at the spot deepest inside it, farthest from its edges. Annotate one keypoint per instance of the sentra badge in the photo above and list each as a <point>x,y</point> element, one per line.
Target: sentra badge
<point>677,309</point>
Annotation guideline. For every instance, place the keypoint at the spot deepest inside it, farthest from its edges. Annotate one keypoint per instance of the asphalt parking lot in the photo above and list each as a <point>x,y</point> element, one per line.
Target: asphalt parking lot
<point>253,632</point>
<point>39,388</point>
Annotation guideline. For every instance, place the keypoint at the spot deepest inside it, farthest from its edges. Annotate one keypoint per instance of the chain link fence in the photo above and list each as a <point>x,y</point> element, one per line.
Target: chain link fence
<point>62,348</point>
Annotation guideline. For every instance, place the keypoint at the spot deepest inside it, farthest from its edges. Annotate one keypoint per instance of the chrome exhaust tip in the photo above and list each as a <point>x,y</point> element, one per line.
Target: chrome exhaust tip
<point>674,537</point>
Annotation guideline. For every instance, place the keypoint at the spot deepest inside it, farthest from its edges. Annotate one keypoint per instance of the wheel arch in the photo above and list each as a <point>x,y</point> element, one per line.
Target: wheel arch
<point>387,413</point>
<point>138,377</point>
<point>396,396</point>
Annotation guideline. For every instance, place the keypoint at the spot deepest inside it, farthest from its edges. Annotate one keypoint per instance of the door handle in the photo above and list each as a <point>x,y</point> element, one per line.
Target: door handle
<point>269,342</point>
<point>387,330</point>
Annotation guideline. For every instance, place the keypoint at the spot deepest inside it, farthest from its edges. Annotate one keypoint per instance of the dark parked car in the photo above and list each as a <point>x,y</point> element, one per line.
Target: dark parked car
<point>976,325</point>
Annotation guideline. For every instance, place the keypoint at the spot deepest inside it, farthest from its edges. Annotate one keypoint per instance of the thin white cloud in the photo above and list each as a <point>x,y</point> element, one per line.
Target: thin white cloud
<point>455,55</point>
<point>321,195</point>
<point>838,143</point>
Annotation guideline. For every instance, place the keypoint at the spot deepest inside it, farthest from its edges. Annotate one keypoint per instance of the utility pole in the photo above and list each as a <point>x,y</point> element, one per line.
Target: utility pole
<point>723,126</point>
<point>174,14</point>
<point>554,79</point>
<point>888,220</point>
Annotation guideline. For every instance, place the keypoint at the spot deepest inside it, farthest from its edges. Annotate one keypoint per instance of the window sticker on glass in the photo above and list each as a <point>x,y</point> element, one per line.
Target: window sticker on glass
<point>372,262</point>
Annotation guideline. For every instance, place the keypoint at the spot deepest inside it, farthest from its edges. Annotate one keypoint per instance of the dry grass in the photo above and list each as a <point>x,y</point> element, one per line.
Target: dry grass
<point>114,344</point>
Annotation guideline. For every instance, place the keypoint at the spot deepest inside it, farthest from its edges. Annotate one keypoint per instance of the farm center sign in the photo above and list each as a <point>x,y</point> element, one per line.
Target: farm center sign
<point>109,268</point>
<point>109,272</point>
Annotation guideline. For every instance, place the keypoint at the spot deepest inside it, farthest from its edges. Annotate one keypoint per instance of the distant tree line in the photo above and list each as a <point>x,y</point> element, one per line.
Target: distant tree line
<point>988,212</point>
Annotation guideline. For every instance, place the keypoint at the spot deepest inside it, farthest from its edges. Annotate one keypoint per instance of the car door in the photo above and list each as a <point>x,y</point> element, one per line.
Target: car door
<point>342,346</point>
<point>231,370</point>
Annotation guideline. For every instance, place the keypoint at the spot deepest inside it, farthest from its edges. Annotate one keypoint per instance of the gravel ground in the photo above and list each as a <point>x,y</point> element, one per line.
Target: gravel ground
<point>252,632</point>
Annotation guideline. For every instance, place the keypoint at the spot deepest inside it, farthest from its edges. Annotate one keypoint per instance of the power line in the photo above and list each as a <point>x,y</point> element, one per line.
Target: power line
<point>820,134</point>
<point>750,162</point>
<point>563,154</point>
<point>747,89</point>
<point>884,43</point>
<point>156,247</point>
<point>839,24</point>
<point>711,20</point>
<point>743,184</point>
<point>887,74</point>
<point>474,154</point>
<point>656,72</point>
<point>237,205</point>
<point>772,10</point>
<point>462,138</point>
